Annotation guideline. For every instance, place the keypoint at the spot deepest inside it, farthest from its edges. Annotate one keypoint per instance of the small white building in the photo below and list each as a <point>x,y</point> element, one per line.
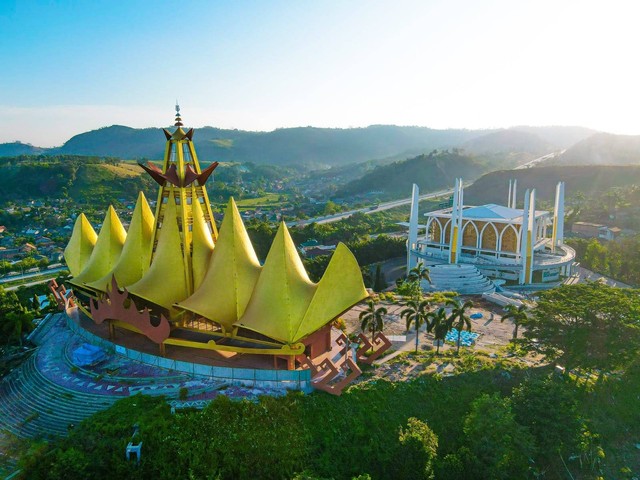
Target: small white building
<point>520,246</point>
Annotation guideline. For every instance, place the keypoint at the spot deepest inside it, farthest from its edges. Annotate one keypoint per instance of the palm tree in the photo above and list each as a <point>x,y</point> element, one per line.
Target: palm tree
<point>439,325</point>
<point>458,318</point>
<point>416,312</point>
<point>518,315</point>
<point>372,318</point>
<point>418,273</point>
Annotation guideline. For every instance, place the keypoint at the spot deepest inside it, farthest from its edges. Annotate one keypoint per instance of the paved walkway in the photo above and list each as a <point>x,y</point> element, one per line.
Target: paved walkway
<point>584,274</point>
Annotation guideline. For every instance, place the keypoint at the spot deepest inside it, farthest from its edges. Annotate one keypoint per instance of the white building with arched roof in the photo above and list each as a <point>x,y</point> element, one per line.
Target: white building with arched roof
<point>520,246</point>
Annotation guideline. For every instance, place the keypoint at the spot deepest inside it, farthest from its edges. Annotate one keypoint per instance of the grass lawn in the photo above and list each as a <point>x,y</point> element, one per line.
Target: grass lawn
<point>270,200</point>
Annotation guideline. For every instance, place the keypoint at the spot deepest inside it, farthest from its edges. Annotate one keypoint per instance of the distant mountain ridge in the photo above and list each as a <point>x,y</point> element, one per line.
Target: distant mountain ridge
<point>602,149</point>
<point>493,187</point>
<point>287,146</point>
<point>505,141</point>
<point>297,146</point>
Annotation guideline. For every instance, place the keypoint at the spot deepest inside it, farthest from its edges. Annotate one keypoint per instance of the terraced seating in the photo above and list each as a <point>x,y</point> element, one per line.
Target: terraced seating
<point>464,279</point>
<point>31,405</point>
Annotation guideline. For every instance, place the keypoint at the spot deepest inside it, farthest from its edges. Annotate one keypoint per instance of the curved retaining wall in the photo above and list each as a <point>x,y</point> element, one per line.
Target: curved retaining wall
<point>258,378</point>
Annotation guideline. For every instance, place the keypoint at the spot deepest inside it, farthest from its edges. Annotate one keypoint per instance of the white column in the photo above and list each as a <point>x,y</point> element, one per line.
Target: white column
<point>513,198</point>
<point>509,194</point>
<point>460,218</point>
<point>524,233</point>
<point>413,229</point>
<point>558,217</point>
<point>454,225</point>
<point>532,236</point>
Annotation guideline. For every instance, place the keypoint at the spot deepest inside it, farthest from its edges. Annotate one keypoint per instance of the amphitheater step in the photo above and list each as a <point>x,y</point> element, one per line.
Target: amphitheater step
<point>464,279</point>
<point>31,405</point>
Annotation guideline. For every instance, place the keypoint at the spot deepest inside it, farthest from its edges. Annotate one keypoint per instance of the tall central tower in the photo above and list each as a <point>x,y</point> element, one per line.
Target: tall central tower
<point>182,196</point>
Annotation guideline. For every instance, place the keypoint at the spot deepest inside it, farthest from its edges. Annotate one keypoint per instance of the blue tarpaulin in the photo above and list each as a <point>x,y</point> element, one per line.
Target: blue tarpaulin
<point>87,354</point>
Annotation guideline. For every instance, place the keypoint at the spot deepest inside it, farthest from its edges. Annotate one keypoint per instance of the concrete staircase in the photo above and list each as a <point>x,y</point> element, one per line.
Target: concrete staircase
<point>464,279</point>
<point>31,405</point>
<point>44,327</point>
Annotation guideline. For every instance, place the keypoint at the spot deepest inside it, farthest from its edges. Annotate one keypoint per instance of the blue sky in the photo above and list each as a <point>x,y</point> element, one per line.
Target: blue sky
<point>72,66</point>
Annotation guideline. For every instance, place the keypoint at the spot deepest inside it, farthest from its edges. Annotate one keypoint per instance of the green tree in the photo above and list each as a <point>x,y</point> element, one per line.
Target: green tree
<point>379,283</point>
<point>331,208</point>
<point>548,407</point>
<point>17,323</point>
<point>438,325</point>
<point>459,319</point>
<point>415,312</point>
<point>501,446</point>
<point>587,325</point>
<point>372,318</point>
<point>14,319</point>
<point>518,316</point>
<point>418,452</point>
<point>595,257</point>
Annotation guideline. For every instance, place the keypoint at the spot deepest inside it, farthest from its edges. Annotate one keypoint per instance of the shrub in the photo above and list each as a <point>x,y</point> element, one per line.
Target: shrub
<point>501,445</point>
<point>418,452</point>
<point>183,393</point>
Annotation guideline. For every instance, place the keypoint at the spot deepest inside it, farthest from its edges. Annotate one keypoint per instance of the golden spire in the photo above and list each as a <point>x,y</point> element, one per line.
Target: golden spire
<point>282,293</point>
<point>231,274</point>
<point>134,260</point>
<point>107,250</point>
<point>165,282</point>
<point>80,246</point>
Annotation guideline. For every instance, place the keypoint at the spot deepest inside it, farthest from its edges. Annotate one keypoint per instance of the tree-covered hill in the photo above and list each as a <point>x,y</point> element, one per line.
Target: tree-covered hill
<point>431,172</point>
<point>19,148</point>
<point>76,177</point>
<point>560,136</point>
<point>286,146</point>
<point>493,187</point>
<point>507,141</point>
<point>603,149</point>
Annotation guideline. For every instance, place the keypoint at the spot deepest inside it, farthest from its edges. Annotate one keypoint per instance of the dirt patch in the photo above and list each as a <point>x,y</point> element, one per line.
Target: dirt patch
<point>494,337</point>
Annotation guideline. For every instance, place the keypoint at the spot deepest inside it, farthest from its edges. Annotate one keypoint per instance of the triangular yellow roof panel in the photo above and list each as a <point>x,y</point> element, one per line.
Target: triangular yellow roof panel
<point>136,253</point>
<point>202,245</point>
<point>165,282</point>
<point>340,288</point>
<point>232,273</point>
<point>81,244</point>
<point>282,294</point>
<point>107,250</point>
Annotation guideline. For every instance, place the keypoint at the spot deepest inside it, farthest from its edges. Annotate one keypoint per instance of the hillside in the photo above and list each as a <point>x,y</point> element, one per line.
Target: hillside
<point>84,179</point>
<point>431,172</point>
<point>493,187</point>
<point>286,146</point>
<point>507,141</point>
<point>603,149</point>
<point>560,136</point>
<point>19,148</point>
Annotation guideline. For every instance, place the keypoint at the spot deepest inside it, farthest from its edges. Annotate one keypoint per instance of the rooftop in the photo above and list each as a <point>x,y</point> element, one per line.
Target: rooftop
<point>490,211</point>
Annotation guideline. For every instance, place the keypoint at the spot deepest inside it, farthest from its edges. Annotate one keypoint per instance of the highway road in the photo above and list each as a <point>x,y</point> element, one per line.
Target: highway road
<point>405,201</point>
<point>26,276</point>
<point>30,284</point>
<point>541,159</point>
<point>371,209</point>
